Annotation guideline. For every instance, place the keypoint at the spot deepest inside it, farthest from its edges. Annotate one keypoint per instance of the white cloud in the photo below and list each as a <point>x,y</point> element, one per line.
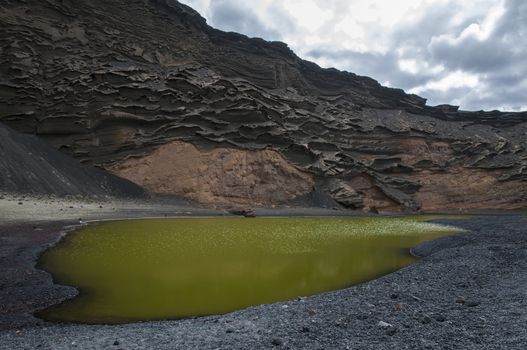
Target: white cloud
<point>409,65</point>
<point>479,31</point>
<point>307,14</point>
<point>453,80</point>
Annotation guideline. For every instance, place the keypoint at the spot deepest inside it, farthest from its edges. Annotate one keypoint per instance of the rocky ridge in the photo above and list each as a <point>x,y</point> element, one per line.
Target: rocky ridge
<point>110,82</point>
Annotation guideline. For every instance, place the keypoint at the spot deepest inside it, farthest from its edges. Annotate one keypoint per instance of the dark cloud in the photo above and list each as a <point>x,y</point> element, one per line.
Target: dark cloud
<point>383,67</point>
<point>498,58</point>
<point>231,16</point>
<point>236,16</point>
<point>514,22</point>
<point>470,54</point>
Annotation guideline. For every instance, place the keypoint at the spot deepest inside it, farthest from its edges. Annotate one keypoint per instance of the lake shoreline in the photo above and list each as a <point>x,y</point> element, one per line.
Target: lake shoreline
<point>222,264</point>
<point>467,291</point>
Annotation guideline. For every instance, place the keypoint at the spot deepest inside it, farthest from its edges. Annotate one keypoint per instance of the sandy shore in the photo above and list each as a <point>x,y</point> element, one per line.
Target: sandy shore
<point>469,291</point>
<point>23,209</point>
<point>19,209</point>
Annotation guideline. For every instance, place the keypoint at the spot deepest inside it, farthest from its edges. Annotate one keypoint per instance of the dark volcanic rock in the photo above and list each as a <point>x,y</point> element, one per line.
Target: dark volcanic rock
<point>108,81</point>
<point>345,194</point>
<point>248,213</point>
<point>29,165</point>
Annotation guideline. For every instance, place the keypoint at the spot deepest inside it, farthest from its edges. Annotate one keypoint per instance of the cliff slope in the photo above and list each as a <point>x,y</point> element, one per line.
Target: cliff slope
<point>141,84</point>
<point>29,165</point>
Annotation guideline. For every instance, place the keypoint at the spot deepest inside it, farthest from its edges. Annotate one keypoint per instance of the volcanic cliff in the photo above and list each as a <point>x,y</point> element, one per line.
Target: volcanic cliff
<point>149,91</point>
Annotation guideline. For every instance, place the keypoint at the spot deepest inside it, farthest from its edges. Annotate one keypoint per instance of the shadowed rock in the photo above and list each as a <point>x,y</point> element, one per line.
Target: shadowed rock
<point>29,165</point>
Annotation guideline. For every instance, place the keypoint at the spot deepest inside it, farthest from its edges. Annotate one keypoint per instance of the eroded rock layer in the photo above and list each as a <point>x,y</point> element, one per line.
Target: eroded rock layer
<point>111,81</point>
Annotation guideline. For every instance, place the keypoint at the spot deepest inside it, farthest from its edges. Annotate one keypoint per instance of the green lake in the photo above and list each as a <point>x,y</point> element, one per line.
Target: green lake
<point>153,269</point>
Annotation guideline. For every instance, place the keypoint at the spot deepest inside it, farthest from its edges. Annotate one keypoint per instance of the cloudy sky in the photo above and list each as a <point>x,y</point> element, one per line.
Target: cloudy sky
<point>467,53</point>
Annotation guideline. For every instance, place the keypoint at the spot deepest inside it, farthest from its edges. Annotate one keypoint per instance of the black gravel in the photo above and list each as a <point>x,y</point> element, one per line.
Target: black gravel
<point>468,291</point>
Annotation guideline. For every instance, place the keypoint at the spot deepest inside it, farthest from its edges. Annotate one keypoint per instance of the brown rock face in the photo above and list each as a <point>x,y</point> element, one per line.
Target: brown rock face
<point>463,188</point>
<point>220,176</point>
<point>122,83</point>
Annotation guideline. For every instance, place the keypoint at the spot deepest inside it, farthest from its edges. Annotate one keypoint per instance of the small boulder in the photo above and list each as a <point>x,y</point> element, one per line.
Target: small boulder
<point>344,194</point>
<point>248,213</point>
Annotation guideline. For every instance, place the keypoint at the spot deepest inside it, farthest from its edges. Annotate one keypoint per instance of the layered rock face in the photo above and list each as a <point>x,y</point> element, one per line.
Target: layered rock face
<point>146,89</point>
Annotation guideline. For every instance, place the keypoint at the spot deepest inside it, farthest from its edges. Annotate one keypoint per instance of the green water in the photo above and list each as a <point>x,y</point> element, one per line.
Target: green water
<point>171,268</point>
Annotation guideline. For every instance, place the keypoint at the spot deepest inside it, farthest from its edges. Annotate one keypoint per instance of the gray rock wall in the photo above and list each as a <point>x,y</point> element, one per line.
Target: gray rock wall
<point>104,81</point>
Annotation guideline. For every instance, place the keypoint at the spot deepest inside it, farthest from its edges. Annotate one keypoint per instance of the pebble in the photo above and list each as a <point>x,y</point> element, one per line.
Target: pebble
<point>384,325</point>
<point>440,318</point>
<point>416,298</point>
<point>426,319</point>
<point>472,303</point>
<point>391,331</point>
<point>277,342</point>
